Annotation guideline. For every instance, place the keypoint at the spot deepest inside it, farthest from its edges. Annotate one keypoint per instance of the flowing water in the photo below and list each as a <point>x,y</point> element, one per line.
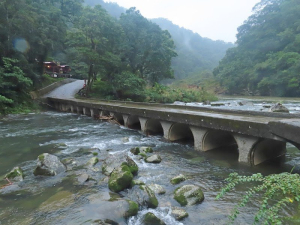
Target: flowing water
<point>62,200</point>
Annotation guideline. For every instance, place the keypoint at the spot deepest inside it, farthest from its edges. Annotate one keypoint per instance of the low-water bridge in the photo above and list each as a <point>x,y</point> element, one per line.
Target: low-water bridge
<point>259,136</point>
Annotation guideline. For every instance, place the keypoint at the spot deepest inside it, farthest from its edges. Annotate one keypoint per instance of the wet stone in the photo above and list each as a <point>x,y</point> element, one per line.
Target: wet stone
<point>279,108</point>
<point>153,159</point>
<point>157,189</point>
<point>83,178</point>
<point>178,179</point>
<point>143,195</point>
<point>151,219</point>
<point>16,174</point>
<point>178,213</point>
<point>188,195</point>
<point>49,165</point>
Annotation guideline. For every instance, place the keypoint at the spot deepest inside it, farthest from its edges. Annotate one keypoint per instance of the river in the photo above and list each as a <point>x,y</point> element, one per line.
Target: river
<point>62,200</point>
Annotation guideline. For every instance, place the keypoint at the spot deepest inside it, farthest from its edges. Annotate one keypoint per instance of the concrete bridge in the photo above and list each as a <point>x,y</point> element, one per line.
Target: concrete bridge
<point>258,136</point>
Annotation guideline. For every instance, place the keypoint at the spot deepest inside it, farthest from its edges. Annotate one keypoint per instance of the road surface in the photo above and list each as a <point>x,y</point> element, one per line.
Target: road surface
<point>66,91</point>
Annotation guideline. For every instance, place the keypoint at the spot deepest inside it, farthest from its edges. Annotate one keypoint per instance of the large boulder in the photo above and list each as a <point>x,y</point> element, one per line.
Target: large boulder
<point>153,159</point>
<point>120,179</point>
<point>151,219</point>
<point>188,195</point>
<point>141,150</point>
<point>49,165</point>
<point>16,174</point>
<point>278,107</point>
<point>116,161</point>
<point>144,196</point>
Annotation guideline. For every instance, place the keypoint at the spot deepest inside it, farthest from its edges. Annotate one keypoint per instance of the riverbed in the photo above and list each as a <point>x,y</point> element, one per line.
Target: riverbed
<point>62,200</point>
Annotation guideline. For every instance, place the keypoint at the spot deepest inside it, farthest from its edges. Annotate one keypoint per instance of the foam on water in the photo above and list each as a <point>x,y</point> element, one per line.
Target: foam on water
<point>162,213</point>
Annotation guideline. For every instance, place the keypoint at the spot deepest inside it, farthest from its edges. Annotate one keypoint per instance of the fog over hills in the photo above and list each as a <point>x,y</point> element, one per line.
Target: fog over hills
<point>195,53</point>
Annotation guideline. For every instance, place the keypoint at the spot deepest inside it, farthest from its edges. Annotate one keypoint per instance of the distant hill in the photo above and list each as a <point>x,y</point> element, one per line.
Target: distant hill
<point>112,8</point>
<point>195,53</point>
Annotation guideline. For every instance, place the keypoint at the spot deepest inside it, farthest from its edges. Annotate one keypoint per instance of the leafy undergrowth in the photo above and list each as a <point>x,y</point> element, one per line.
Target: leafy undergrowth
<point>276,192</point>
<point>157,93</point>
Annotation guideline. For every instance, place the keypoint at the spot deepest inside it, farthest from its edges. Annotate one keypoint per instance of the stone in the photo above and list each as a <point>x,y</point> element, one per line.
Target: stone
<point>93,161</point>
<point>48,165</point>
<point>120,179</point>
<point>16,174</point>
<point>207,102</point>
<point>178,179</point>
<point>157,189</point>
<point>135,151</point>
<point>105,222</point>
<point>278,107</point>
<point>115,161</point>
<point>217,104</point>
<point>144,196</point>
<point>151,219</point>
<point>242,103</point>
<point>178,213</point>
<point>153,159</point>
<point>83,178</point>
<point>136,182</point>
<point>146,150</point>
<point>125,139</point>
<point>188,195</point>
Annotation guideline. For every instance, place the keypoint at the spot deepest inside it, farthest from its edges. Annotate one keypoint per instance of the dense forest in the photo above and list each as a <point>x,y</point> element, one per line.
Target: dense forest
<point>125,54</point>
<point>266,60</point>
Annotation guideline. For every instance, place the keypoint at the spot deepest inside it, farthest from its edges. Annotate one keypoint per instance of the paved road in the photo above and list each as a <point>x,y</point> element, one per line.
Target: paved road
<point>66,91</point>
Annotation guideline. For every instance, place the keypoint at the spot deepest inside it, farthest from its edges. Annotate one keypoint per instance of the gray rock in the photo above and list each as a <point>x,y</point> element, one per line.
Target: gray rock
<point>125,139</point>
<point>178,179</point>
<point>115,161</point>
<point>178,213</point>
<point>48,165</point>
<point>188,195</point>
<point>16,174</point>
<point>93,161</point>
<point>137,182</point>
<point>83,178</point>
<point>153,159</point>
<point>278,107</point>
<point>217,104</point>
<point>146,150</point>
<point>157,189</point>
<point>151,219</point>
<point>143,195</point>
<point>242,103</point>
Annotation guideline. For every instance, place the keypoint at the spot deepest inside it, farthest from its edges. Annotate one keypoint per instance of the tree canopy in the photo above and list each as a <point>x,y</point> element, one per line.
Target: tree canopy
<point>267,58</point>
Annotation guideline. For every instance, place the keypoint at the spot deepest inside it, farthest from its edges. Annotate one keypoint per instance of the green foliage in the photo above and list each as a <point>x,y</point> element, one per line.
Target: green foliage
<point>266,60</point>
<point>276,191</point>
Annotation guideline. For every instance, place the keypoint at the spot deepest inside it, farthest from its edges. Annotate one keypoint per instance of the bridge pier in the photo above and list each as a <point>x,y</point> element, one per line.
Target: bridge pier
<point>94,113</point>
<point>143,122</point>
<point>198,134</point>
<point>245,146</point>
<point>166,128</point>
<point>79,110</point>
<point>153,127</point>
<point>72,109</point>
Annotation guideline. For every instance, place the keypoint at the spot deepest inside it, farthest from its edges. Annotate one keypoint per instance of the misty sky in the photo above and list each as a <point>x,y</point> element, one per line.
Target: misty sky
<point>215,19</point>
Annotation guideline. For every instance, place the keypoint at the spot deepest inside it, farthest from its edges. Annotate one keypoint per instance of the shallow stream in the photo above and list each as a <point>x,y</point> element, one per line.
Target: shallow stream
<point>62,200</point>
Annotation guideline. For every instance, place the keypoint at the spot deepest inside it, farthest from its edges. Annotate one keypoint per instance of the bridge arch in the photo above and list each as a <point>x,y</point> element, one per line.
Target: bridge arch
<point>133,122</point>
<point>153,127</point>
<point>119,118</point>
<point>266,149</point>
<point>214,139</point>
<point>180,132</point>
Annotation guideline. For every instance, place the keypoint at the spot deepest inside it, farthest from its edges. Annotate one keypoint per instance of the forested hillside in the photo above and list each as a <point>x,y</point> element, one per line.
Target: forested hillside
<point>195,53</point>
<point>126,54</point>
<point>267,58</point>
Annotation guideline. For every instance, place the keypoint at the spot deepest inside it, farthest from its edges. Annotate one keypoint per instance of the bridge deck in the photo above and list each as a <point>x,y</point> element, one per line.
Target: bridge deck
<point>252,123</point>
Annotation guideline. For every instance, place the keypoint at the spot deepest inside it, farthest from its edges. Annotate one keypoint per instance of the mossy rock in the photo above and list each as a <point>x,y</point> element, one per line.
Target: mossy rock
<point>49,165</point>
<point>135,151</point>
<point>137,182</point>
<point>16,174</point>
<point>153,159</point>
<point>146,150</point>
<point>120,179</point>
<point>151,219</point>
<point>132,166</point>
<point>152,200</point>
<point>157,189</point>
<point>188,195</point>
<point>179,214</point>
<point>133,209</point>
<point>93,161</point>
<point>178,179</point>
<point>143,155</point>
